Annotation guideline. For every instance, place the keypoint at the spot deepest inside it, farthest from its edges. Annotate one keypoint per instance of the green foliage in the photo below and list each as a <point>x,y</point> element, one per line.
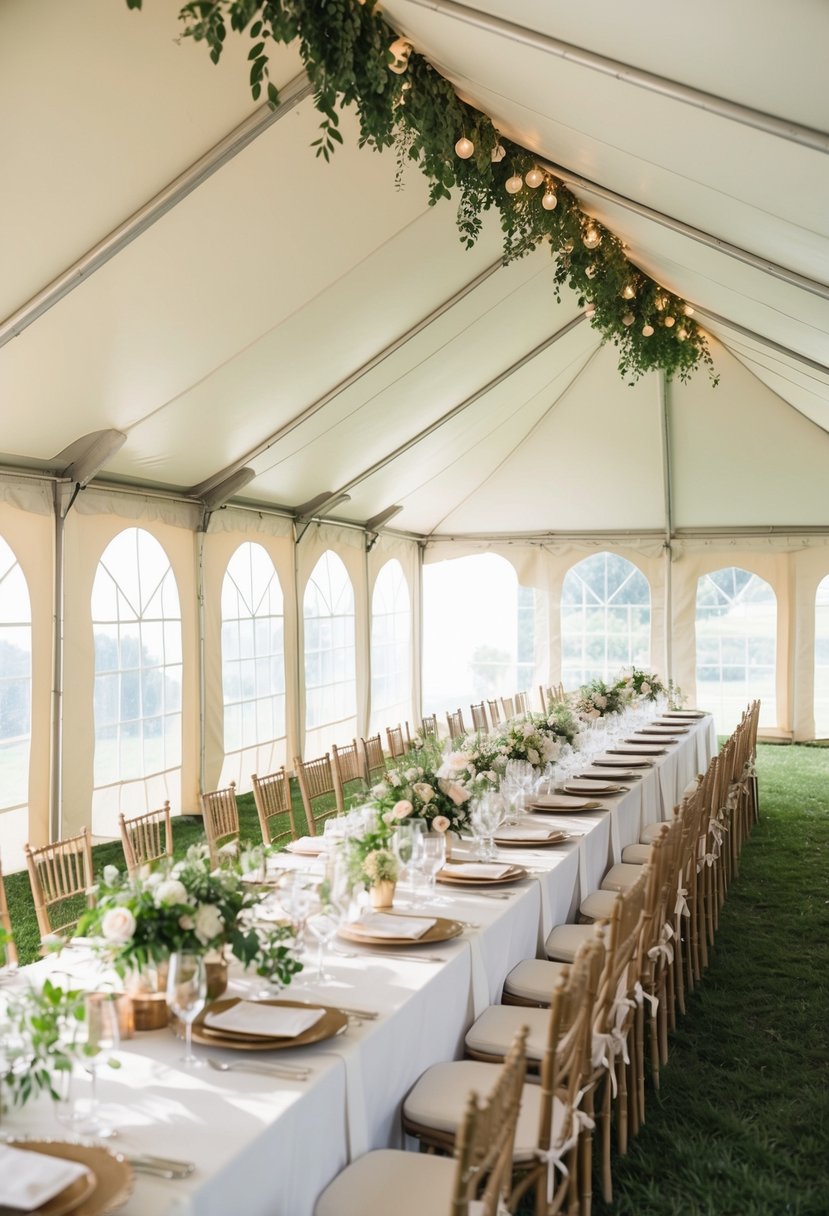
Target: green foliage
<point>37,1039</point>
<point>345,45</point>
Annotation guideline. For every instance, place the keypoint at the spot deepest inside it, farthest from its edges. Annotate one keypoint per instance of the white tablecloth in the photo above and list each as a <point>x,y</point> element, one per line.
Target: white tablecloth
<point>267,1147</point>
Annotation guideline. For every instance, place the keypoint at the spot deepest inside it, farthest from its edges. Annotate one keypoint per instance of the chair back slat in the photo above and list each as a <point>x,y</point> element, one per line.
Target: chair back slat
<point>317,782</point>
<point>374,760</point>
<point>272,796</point>
<point>146,837</point>
<point>455,723</point>
<point>429,726</point>
<point>479,718</point>
<point>520,700</point>
<point>59,873</point>
<point>508,706</point>
<point>221,819</point>
<point>346,767</point>
<point>394,734</point>
<point>495,715</point>
<point>8,950</point>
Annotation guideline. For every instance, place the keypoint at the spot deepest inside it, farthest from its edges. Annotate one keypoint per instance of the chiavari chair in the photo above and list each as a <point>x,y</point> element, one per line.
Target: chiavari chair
<point>146,838</point>
<point>60,874</point>
<point>374,760</point>
<point>508,708</point>
<point>317,787</point>
<point>8,950</point>
<point>479,718</point>
<point>399,743</point>
<point>429,726</point>
<point>347,767</point>
<point>221,820</point>
<point>272,796</point>
<point>455,723</point>
<point>495,715</point>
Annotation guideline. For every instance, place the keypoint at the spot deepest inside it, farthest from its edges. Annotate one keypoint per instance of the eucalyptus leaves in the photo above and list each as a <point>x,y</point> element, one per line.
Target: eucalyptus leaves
<point>353,57</point>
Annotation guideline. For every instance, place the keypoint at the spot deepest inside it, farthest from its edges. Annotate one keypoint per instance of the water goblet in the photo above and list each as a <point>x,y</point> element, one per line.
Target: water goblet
<point>99,1033</point>
<point>432,859</point>
<point>487,815</point>
<point>186,996</point>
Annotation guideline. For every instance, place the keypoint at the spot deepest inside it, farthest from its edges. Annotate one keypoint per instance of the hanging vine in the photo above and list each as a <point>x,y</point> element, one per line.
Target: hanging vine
<point>354,58</point>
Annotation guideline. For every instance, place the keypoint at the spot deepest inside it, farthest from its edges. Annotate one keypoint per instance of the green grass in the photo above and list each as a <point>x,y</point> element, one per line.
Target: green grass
<point>741,1124</point>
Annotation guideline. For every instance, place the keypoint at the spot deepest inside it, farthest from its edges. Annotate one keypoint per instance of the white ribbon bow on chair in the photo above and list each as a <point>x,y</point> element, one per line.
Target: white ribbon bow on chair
<point>663,948</point>
<point>681,907</point>
<point>553,1157</point>
<point>641,996</point>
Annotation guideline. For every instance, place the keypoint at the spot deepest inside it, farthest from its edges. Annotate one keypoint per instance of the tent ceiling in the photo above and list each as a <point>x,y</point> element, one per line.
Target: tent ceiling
<point>312,321</point>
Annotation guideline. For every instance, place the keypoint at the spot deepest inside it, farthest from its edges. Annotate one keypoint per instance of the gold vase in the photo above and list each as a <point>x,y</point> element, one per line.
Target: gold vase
<point>147,989</point>
<point>216,974</point>
<point>382,893</point>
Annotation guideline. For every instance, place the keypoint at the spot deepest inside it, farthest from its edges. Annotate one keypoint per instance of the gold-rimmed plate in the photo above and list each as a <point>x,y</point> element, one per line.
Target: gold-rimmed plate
<point>441,931</point>
<point>679,714</point>
<point>515,842</point>
<point>110,1174</point>
<point>333,1022</point>
<point>513,874</point>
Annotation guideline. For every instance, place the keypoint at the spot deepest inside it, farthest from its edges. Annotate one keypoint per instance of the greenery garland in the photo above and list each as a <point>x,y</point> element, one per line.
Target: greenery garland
<point>353,57</point>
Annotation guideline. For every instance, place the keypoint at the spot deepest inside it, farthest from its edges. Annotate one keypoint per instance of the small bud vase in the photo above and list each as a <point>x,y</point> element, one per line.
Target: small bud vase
<point>382,894</point>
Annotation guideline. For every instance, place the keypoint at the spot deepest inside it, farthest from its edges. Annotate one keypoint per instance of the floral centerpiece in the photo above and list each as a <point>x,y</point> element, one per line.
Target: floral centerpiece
<point>639,685</point>
<point>530,739</point>
<point>560,721</point>
<point>181,905</point>
<point>428,785</point>
<point>598,699</point>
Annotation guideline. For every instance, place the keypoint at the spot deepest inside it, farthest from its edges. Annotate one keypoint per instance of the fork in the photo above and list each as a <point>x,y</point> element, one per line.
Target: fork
<point>287,1072</point>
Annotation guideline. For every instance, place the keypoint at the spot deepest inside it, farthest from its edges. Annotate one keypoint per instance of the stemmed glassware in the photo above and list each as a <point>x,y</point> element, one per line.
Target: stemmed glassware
<point>432,859</point>
<point>407,845</point>
<point>328,908</point>
<point>99,1033</point>
<point>186,996</point>
<point>486,816</point>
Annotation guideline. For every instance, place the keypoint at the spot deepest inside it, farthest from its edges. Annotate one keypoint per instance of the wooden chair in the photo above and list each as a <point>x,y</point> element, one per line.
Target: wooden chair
<point>8,950</point>
<point>479,718</point>
<point>412,1184</point>
<point>221,820</point>
<point>520,700</point>
<point>272,795</point>
<point>146,837</point>
<point>429,726</point>
<point>60,874</point>
<point>374,760</point>
<point>455,723</point>
<point>508,707</point>
<point>316,782</point>
<point>347,767</point>
<point>399,743</point>
<point>548,1125</point>
<point>495,715</point>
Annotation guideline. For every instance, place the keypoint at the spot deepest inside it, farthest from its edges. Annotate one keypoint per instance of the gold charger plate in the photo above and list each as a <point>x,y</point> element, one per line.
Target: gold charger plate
<point>111,1173</point>
<point>441,931</point>
<point>685,713</point>
<point>333,1022</point>
<point>553,838</point>
<point>513,874</point>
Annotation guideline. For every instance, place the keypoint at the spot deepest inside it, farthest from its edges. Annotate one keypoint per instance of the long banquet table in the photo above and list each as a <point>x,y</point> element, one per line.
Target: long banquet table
<point>267,1147</point>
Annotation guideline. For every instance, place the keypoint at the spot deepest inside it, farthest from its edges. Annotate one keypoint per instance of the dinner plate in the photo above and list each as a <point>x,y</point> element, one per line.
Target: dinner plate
<point>303,849</point>
<point>590,787</point>
<point>513,874</point>
<point>621,773</point>
<point>685,713</point>
<point>332,1023</point>
<point>564,802</point>
<point>665,728</point>
<point>640,749</point>
<point>618,762</point>
<point>649,738</point>
<point>441,931</point>
<point>555,837</point>
<point>110,1173</point>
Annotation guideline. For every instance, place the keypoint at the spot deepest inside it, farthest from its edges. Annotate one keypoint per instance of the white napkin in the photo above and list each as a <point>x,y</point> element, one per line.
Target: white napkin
<point>618,762</point>
<point>380,924</point>
<point>306,844</point>
<point>554,802</point>
<point>523,831</point>
<point>589,787</point>
<point>621,774</point>
<point>28,1180</point>
<point>480,869</point>
<point>269,1021</point>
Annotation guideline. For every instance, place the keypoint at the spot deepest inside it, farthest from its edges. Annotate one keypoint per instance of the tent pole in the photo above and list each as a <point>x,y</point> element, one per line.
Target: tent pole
<point>56,744</point>
<point>664,409</point>
<point>202,682</point>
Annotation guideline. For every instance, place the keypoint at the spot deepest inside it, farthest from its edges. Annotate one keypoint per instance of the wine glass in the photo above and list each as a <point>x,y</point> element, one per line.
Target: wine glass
<point>406,844</point>
<point>100,1032</point>
<point>432,858</point>
<point>486,816</point>
<point>186,996</point>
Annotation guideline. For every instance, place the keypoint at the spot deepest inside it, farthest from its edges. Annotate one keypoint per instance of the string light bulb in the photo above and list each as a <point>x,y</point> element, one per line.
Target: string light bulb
<point>591,237</point>
<point>497,154</point>
<point>682,333</point>
<point>659,303</point>
<point>628,319</point>
<point>669,322</point>
<point>688,310</point>
<point>647,330</point>
<point>590,311</point>
<point>628,291</point>
<point>513,184</point>
<point>534,178</point>
<point>401,50</point>
<point>549,200</point>
<point>464,148</point>
<point>592,270</point>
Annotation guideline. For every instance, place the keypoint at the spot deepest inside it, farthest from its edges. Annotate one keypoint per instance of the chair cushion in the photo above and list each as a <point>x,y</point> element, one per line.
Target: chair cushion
<point>409,1184</point>
<point>620,877</point>
<point>636,854</point>
<point>438,1100</point>
<point>534,979</point>
<point>493,1032</point>
<point>598,905</point>
<point>649,834</point>
<point>564,941</point>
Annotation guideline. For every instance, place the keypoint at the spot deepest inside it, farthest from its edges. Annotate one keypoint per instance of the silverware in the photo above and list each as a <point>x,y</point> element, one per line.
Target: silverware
<point>286,1072</point>
<point>161,1167</point>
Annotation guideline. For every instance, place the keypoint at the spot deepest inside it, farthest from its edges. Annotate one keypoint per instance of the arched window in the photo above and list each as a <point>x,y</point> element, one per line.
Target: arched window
<point>605,619</point>
<point>136,620</point>
<point>477,632</point>
<point>391,646</point>
<point>253,667</point>
<point>330,683</point>
<point>15,706</point>
<point>736,636</point>
<point>822,660</point>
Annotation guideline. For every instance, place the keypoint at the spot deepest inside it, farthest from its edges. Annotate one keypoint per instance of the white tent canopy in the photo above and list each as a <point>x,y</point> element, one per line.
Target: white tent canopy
<point>179,267</point>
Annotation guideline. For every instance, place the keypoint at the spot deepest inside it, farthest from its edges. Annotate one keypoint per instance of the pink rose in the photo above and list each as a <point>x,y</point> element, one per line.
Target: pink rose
<point>454,791</point>
<point>440,824</point>
<point>402,808</point>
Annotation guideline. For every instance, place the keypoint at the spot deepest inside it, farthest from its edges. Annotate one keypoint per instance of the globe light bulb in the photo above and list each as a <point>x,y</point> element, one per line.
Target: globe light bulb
<point>590,311</point>
<point>498,153</point>
<point>669,321</point>
<point>647,330</point>
<point>591,237</point>
<point>549,199</point>
<point>628,319</point>
<point>682,333</point>
<point>628,291</point>
<point>688,310</point>
<point>513,184</point>
<point>401,50</point>
<point>534,178</point>
<point>464,148</point>
<point>592,270</point>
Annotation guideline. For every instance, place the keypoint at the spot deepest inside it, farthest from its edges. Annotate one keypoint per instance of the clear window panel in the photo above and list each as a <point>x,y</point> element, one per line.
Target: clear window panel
<point>736,636</point>
<point>605,619</point>
<point>822,660</point>
<point>328,614</point>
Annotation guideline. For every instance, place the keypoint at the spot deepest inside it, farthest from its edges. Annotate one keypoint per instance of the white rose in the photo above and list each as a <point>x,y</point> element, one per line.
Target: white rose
<point>379,791</point>
<point>645,690</point>
<point>424,791</point>
<point>411,774</point>
<point>453,764</point>
<point>454,791</point>
<point>118,925</point>
<point>527,729</point>
<point>440,823</point>
<point>393,776</point>
<point>187,923</point>
<point>533,756</point>
<point>600,700</point>
<point>593,714</point>
<point>110,875</point>
<point>209,923</point>
<point>171,891</point>
<point>230,849</point>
